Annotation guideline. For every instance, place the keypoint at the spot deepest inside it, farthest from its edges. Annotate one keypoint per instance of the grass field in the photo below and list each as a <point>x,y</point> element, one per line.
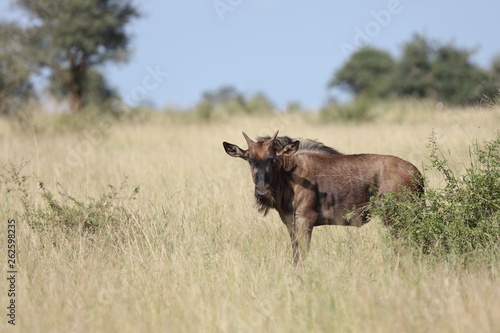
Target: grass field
<point>195,256</point>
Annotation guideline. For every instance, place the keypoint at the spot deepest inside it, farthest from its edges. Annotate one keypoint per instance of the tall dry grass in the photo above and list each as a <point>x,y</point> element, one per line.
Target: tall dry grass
<point>196,256</point>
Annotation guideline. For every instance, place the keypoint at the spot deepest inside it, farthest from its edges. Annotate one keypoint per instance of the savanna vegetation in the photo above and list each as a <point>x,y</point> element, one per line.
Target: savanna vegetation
<point>115,233</point>
<point>129,219</point>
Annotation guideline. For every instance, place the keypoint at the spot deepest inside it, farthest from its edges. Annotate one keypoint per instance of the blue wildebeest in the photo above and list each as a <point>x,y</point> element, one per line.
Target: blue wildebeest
<point>310,184</point>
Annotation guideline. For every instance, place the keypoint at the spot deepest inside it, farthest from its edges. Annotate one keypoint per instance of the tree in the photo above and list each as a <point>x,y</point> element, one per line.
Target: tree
<point>259,103</point>
<point>427,69</point>
<point>413,75</point>
<point>441,71</point>
<point>96,88</point>
<point>366,73</point>
<point>222,95</point>
<point>489,85</point>
<point>457,80</point>
<point>495,76</point>
<point>495,66</point>
<point>76,36</point>
<point>15,68</point>
<point>226,99</point>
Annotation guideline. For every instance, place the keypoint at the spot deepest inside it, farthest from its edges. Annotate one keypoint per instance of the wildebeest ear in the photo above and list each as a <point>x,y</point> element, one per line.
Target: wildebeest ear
<point>235,151</point>
<point>289,149</point>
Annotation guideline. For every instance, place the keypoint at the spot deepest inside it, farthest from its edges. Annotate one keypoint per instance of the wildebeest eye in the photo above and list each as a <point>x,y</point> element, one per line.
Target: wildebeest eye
<point>252,164</point>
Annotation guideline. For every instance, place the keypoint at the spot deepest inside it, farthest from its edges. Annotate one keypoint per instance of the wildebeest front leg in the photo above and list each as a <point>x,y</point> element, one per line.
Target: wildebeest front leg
<point>300,236</point>
<point>289,221</point>
<point>303,233</point>
<point>295,244</point>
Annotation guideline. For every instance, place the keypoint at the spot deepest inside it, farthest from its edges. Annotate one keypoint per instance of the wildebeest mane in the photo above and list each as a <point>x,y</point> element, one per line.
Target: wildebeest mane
<point>305,144</point>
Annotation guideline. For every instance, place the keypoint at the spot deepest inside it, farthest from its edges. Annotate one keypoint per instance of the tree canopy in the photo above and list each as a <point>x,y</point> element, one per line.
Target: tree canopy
<point>413,73</point>
<point>15,68</point>
<point>365,73</point>
<point>426,69</point>
<point>74,37</point>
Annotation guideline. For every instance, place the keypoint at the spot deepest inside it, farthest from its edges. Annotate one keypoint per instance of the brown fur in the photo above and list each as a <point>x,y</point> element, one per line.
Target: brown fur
<point>310,184</point>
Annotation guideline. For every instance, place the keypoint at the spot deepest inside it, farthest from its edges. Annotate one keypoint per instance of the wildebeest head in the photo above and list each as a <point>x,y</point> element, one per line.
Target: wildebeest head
<point>265,160</point>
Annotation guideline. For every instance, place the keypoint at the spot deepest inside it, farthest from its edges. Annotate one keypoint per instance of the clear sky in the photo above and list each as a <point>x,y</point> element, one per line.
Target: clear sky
<point>286,49</point>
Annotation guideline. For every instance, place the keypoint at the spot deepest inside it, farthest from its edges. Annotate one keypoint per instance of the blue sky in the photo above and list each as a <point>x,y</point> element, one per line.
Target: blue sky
<point>286,49</point>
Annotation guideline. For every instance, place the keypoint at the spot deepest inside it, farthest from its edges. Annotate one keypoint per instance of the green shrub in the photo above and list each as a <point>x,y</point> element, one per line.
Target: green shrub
<point>461,218</point>
<point>228,101</point>
<point>68,214</point>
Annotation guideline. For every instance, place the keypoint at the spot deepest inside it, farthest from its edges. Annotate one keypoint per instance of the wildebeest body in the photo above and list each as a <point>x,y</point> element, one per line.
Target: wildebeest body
<point>310,184</point>
<point>336,185</point>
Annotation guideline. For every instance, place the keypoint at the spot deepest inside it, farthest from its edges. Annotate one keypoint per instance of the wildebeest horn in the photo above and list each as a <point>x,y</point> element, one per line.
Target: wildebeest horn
<point>249,141</point>
<point>274,136</point>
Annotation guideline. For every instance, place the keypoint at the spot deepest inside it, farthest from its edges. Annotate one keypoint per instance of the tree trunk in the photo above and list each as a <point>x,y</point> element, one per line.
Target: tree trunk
<point>75,102</point>
<point>78,71</point>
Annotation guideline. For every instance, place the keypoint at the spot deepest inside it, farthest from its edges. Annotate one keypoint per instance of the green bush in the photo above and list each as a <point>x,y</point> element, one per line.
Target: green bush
<point>461,218</point>
<point>228,101</point>
<point>68,214</point>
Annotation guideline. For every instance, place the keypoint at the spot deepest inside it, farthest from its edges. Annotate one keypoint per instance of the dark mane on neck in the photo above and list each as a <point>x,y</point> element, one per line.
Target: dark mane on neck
<point>305,144</point>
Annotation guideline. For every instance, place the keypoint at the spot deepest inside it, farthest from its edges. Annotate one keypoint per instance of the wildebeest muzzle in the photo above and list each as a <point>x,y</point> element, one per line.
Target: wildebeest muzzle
<point>262,188</point>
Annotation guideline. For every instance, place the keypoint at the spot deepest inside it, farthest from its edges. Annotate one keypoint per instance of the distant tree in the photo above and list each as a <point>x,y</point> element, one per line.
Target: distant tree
<point>490,84</point>
<point>75,36</point>
<point>259,103</point>
<point>441,71</point>
<point>222,95</point>
<point>456,79</point>
<point>495,66</point>
<point>226,99</point>
<point>96,89</point>
<point>413,73</point>
<point>495,76</point>
<point>426,70</point>
<point>294,107</point>
<point>16,67</point>
<point>366,73</point>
